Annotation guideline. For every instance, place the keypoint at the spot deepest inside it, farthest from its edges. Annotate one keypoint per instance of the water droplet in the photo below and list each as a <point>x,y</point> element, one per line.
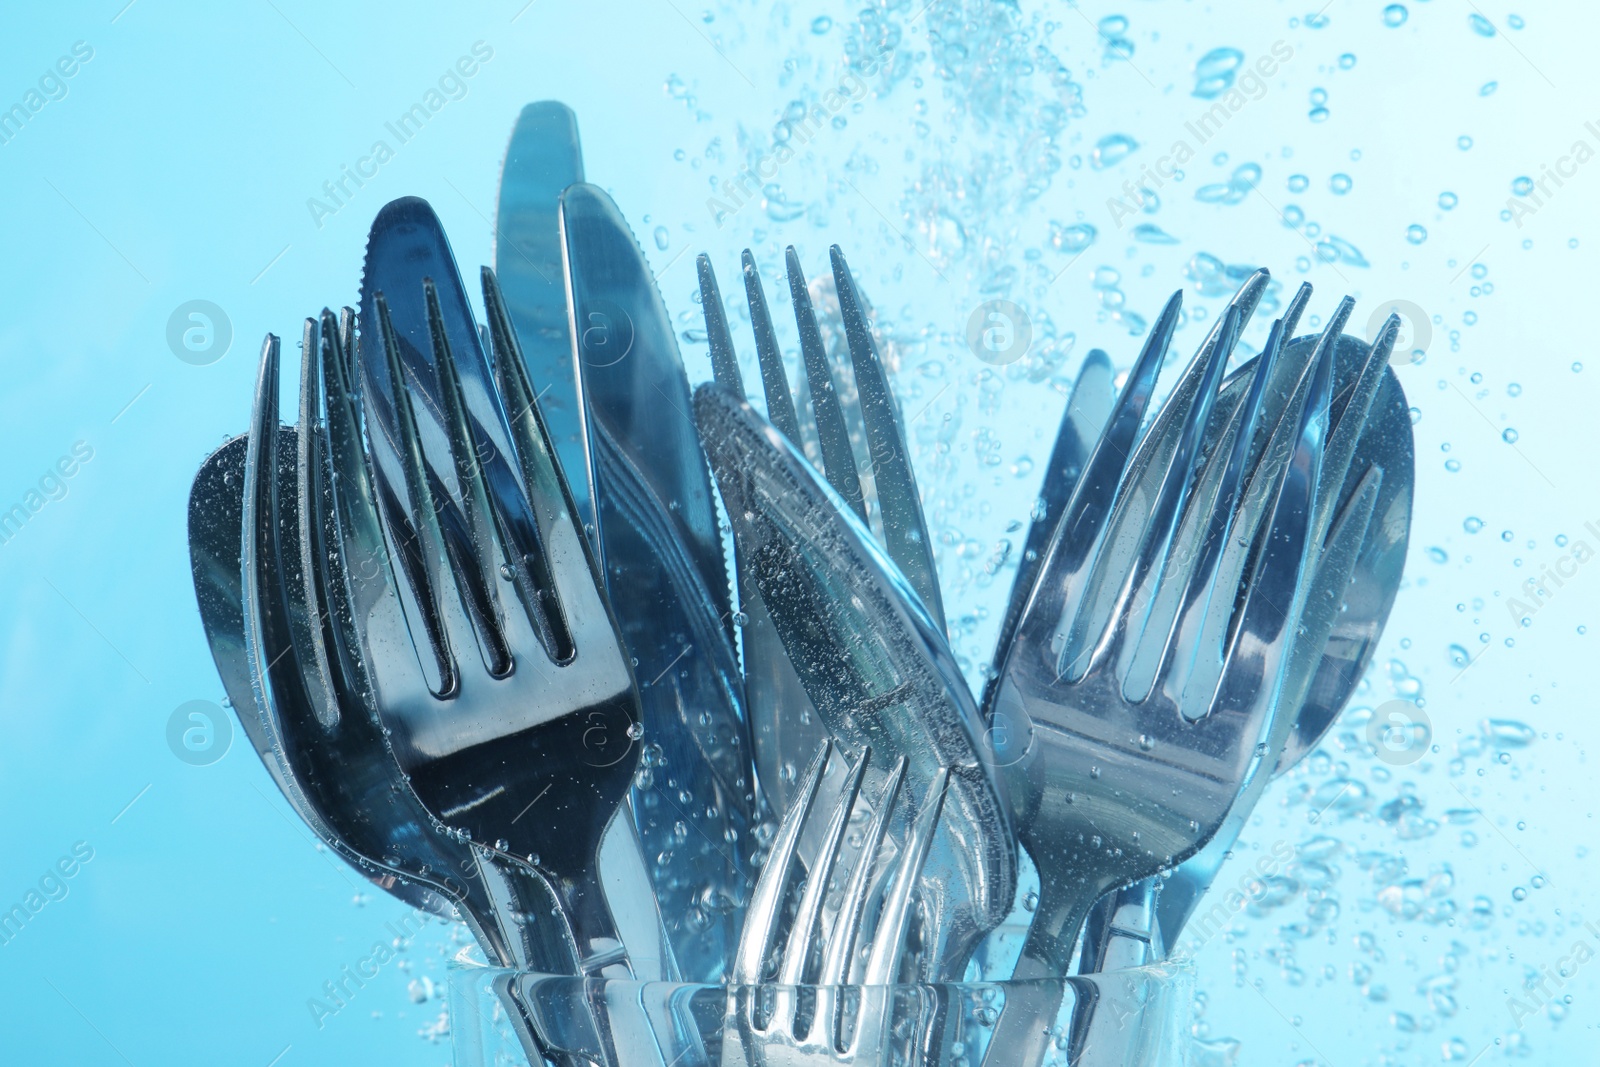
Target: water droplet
<point>1522,186</point>
<point>1509,436</point>
<point>1215,71</point>
<point>1340,184</point>
<point>1472,524</point>
<point>1298,183</point>
<point>1447,201</point>
<point>1463,142</point>
<point>663,238</point>
<point>1480,25</point>
<point>1111,150</point>
<point>821,24</point>
<point>1071,239</point>
<point>1416,234</point>
<point>1395,15</point>
<point>635,730</point>
<point>1151,234</point>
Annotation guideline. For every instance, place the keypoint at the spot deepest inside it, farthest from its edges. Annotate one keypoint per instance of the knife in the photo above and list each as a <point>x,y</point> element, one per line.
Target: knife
<point>666,575</point>
<point>543,158</point>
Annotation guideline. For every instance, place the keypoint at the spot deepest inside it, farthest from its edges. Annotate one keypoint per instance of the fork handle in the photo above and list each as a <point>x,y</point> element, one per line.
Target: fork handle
<point>600,951</point>
<point>1022,1033</point>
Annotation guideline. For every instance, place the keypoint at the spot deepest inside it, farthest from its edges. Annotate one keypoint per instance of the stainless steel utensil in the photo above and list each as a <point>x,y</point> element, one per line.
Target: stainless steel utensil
<point>778,1034</point>
<point>1350,590</point>
<point>543,157</point>
<point>784,720</point>
<point>1114,777</point>
<point>875,665</point>
<point>406,246</point>
<point>664,567</point>
<point>257,540</point>
<point>1352,586</point>
<point>357,806</point>
<point>512,707</point>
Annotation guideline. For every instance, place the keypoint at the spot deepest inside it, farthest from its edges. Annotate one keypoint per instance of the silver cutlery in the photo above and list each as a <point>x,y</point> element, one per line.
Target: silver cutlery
<point>543,157</point>
<point>256,537</point>
<point>1110,785</point>
<point>769,1031</point>
<point>1351,588</point>
<point>512,707</point>
<point>784,720</point>
<point>1353,597</point>
<point>877,668</point>
<point>456,594</point>
<point>662,557</point>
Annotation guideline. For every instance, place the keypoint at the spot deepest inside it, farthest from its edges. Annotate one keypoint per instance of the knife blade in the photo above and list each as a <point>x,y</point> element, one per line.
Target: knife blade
<point>542,159</point>
<point>666,575</point>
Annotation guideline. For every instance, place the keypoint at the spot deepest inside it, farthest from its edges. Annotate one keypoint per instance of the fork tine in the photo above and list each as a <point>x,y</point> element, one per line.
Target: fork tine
<point>802,932</point>
<point>840,951</point>
<point>1275,595</point>
<point>1348,415</point>
<point>263,611</point>
<point>412,518</point>
<point>544,529</point>
<point>1147,523</point>
<point>313,552</point>
<point>905,530</point>
<point>724,360</point>
<point>346,335</point>
<point>895,915</point>
<point>473,566</point>
<point>766,900</point>
<point>363,555</point>
<point>1085,517</point>
<point>774,379</point>
<point>1268,464</point>
<point>1185,594</point>
<point>838,458</point>
<point>1297,306</point>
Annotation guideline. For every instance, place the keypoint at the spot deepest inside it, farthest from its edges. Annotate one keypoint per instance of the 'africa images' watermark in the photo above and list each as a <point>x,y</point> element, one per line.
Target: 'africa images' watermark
<point>341,989</point>
<point>1251,85</point>
<point>52,85</point>
<point>1566,967</point>
<point>1531,194</point>
<point>451,85</point>
<point>1552,578</point>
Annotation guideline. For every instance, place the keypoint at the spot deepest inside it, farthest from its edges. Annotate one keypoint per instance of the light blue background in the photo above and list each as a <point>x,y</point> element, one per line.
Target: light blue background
<point>178,167</point>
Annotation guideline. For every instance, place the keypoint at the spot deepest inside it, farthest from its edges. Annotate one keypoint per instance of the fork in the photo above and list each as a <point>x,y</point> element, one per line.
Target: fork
<point>339,770</point>
<point>785,719</point>
<point>512,710</point>
<point>1113,778</point>
<point>777,1034</point>
<point>874,664</point>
